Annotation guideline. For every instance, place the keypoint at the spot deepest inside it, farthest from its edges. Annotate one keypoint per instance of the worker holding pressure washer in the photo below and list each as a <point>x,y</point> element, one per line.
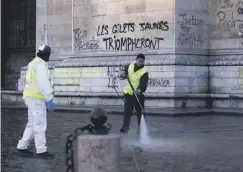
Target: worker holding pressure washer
<point>137,76</point>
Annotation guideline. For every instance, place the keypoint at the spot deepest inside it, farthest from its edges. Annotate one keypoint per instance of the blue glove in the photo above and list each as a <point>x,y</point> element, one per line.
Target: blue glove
<point>138,92</point>
<point>50,105</point>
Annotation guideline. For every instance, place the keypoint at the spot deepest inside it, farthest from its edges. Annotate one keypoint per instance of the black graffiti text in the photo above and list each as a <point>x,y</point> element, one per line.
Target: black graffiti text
<point>81,44</point>
<point>190,21</point>
<point>158,82</point>
<point>227,4</point>
<point>162,25</point>
<point>87,45</point>
<point>187,36</point>
<point>131,43</point>
<point>43,33</point>
<point>185,28</point>
<point>123,28</point>
<point>190,39</point>
<point>102,30</point>
<point>112,73</point>
<point>78,35</point>
<point>228,21</point>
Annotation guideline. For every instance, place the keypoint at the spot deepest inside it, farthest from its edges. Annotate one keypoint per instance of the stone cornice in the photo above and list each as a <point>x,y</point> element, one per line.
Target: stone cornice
<point>226,60</point>
<point>219,52</point>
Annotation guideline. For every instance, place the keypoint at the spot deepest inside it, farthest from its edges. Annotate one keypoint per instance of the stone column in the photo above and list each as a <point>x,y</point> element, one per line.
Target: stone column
<point>98,153</point>
<point>41,23</point>
<point>226,53</point>
<point>191,53</point>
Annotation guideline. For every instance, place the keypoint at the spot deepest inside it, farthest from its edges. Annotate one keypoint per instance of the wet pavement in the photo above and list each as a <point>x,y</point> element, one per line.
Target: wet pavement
<point>183,144</point>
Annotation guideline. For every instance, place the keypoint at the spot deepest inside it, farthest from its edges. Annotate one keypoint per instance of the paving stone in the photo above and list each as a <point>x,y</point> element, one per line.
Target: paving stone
<point>188,144</point>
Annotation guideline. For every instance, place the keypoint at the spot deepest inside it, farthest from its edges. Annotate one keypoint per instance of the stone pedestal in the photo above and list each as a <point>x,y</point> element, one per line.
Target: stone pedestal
<point>98,153</point>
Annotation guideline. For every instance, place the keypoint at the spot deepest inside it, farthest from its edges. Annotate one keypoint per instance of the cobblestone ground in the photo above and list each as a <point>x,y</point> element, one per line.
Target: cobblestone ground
<point>188,144</point>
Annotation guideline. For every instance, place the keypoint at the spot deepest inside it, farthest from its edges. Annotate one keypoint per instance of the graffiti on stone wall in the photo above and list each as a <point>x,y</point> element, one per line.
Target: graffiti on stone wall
<point>158,82</point>
<point>70,101</point>
<point>59,50</point>
<point>187,37</point>
<point>67,76</point>
<point>240,78</point>
<point>74,75</point>
<point>235,103</point>
<point>53,41</point>
<point>119,43</point>
<point>43,32</point>
<point>80,78</point>
<point>113,79</point>
<point>229,20</point>
<point>81,43</point>
<point>56,49</point>
<point>113,73</point>
<point>228,4</point>
<point>130,44</point>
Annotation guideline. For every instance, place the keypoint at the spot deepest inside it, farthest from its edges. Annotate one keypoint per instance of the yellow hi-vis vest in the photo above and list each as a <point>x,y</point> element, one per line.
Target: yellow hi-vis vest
<point>134,78</point>
<point>31,88</point>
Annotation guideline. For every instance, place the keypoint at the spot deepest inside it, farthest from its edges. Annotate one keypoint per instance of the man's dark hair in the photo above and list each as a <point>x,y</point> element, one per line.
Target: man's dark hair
<point>141,56</point>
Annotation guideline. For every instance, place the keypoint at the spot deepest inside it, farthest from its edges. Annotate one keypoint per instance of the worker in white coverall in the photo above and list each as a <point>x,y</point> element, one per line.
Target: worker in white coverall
<point>38,97</point>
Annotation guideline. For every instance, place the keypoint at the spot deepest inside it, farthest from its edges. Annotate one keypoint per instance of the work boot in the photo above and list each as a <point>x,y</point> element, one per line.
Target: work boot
<point>124,130</point>
<point>45,155</point>
<point>25,152</point>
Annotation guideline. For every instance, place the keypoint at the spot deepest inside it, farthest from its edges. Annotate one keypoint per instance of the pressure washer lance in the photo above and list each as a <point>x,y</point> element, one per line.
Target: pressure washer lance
<point>114,87</point>
<point>142,109</point>
<point>133,148</point>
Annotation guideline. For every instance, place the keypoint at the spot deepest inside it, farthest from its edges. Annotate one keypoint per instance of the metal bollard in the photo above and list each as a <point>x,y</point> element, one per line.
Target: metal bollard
<point>97,151</point>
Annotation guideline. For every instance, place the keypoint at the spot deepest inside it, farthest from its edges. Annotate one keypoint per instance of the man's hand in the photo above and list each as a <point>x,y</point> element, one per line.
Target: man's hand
<point>50,105</point>
<point>123,75</point>
<point>138,92</point>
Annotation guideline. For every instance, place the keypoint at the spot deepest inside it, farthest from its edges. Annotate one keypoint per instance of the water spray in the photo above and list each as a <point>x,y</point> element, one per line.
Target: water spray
<point>144,138</point>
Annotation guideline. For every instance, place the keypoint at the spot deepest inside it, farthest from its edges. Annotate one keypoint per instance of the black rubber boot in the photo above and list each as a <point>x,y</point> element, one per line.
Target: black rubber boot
<point>124,130</point>
<point>45,155</point>
<point>25,152</point>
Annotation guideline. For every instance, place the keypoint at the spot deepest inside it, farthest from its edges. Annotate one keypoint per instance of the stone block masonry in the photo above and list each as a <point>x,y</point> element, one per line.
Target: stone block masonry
<point>226,51</point>
<point>193,49</point>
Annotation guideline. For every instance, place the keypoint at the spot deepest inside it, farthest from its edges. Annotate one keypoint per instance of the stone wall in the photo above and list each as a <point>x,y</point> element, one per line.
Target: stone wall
<point>226,51</point>
<point>54,26</point>
<point>97,26</point>
<point>122,25</point>
<point>100,37</point>
<point>191,38</point>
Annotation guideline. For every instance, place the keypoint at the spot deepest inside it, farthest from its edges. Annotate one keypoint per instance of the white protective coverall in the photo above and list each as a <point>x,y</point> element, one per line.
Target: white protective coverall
<point>37,123</point>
